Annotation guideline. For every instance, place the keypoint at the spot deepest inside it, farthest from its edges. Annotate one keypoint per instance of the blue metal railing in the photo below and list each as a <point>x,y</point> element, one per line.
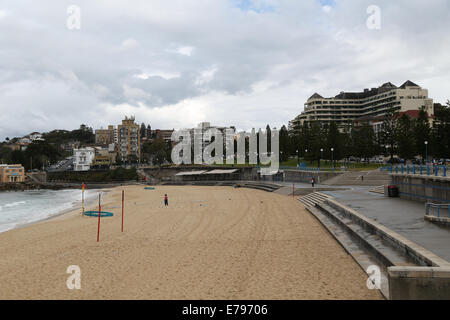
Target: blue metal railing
<point>417,169</point>
<point>437,210</point>
<point>308,169</point>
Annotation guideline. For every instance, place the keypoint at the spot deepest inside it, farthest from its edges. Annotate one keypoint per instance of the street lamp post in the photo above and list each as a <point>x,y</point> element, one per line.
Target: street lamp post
<point>332,159</point>
<point>321,157</point>
<point>297,158</point>
<point>306,161</point>
<point>426,152</point>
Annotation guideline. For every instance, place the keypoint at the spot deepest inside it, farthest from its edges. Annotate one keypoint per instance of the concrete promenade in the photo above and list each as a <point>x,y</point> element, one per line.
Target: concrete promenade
<point>402,216</point>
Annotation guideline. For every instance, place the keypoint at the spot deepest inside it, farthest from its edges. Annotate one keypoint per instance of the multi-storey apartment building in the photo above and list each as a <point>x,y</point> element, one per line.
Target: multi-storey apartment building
<point>165,135</point>
<point>12,173</point>
<point>129,145</point>
<point>200,138</point>
<point>347,107</point>
<point>106,136</point>
<point>104,156</point>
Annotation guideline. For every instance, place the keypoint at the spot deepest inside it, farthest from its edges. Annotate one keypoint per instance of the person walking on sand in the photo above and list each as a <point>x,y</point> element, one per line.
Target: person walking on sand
<point>313,182</point>
<point>166,200</point>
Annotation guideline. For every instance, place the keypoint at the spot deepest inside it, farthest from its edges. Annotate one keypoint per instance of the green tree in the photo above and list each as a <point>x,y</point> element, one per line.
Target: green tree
<point>422,132</point>
<point>158,152</point>
<point>334,140</point>
<point>318,136</point>
<point>363,141</point>
<point>5,154</point>
<point>269,140</point>
<point>440,134</point>
<point>41,153</point>
<point>284,144</point>
<point>405,141</point>
<point>143,131</point>
<point>388,137</point>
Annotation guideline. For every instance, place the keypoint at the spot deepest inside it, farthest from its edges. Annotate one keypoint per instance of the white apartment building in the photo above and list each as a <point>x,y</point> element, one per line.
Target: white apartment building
<point>24,140</point>
<point>347,107</point>
<point>202,128</point>
<point>36,136</point>
<point>83,158</point>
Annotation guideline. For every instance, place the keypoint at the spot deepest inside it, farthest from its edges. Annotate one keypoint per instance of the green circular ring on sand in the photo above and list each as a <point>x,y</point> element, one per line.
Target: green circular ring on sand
<point>95,214</point>
<point>149,188</point>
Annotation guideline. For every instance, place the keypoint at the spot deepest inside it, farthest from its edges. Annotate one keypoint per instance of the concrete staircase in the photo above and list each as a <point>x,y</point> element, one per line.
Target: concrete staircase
<point>360,178</point>
<point>312,199</point>
<point>379,189</point>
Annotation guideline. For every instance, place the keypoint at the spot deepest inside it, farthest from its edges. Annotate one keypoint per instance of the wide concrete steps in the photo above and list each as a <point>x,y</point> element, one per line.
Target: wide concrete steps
<point>312,199</point>
<point>262,186</point>
<point>379,189</point>
<point>360,178</point>
<point>381,248</point>
<point>353,247</point>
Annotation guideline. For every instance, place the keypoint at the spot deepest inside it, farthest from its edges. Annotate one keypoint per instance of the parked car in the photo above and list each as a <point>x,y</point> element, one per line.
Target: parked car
<point>394,161</point>
<point>378,159</point>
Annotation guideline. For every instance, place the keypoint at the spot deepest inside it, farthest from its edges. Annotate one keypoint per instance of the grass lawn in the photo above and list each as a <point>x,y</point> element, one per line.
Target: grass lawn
<point>326,165</point>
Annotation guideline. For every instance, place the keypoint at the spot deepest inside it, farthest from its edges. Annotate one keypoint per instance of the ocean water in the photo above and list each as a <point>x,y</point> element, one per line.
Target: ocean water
<point>18,208</point>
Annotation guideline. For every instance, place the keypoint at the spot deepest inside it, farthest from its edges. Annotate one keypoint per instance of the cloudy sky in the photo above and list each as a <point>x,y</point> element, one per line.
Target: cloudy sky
<point>174,63</point>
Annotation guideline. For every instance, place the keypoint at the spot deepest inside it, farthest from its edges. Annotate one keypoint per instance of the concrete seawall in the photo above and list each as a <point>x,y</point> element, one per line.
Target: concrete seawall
<point>166,174</point>
<point>305,176</point>
<point>419,283</point>
<point>439,220</point>
<point>422,188</point>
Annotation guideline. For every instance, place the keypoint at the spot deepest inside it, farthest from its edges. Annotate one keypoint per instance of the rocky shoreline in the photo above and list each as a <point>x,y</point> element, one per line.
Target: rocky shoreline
<point>22,186</point>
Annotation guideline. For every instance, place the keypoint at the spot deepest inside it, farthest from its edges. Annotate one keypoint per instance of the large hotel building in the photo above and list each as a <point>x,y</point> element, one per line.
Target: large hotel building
<point>348,107</point>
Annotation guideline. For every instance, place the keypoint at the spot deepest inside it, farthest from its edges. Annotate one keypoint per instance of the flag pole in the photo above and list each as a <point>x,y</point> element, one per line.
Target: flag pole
<point>123,196</point>
<point>99,212</point>
<point>82,196</point>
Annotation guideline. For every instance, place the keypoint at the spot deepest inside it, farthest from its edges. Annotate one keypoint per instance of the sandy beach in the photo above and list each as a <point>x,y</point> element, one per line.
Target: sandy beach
<point>210,243</point>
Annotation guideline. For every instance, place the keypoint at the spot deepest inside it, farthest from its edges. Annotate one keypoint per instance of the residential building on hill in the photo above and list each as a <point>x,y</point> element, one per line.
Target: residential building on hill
<point>129,144</point>
<point>83,158</point>
<point>106,136</point>
<point>346,107</point>
<point>165,135</point>
<point>36,136</point>
<point>198,136</point>
<point>104,157</point>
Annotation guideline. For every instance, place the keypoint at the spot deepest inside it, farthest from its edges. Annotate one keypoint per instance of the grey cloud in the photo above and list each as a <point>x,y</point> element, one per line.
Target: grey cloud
<point>67,76</point>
